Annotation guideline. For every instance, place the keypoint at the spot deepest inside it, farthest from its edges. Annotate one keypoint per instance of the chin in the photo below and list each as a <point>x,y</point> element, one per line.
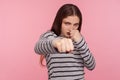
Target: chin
<point>67,36</point>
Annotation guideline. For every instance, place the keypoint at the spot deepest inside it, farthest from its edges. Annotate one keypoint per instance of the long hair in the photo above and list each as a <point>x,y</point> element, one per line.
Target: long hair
<point>65,11</point>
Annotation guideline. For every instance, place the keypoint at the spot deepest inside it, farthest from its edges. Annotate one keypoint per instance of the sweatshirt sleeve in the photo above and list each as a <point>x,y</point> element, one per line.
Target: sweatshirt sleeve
<point>82,48</point>
<point>44,44</point>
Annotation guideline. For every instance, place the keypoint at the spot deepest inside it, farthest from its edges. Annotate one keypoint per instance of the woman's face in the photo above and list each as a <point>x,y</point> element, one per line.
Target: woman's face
<point>69,23</point>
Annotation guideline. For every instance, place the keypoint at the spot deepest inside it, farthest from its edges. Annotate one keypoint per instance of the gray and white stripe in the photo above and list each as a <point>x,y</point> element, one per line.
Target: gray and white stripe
<point>65,66</point>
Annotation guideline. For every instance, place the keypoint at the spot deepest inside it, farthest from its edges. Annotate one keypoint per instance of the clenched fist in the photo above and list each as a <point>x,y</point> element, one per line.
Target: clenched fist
<point>75,35</point>
<point>63,44</point>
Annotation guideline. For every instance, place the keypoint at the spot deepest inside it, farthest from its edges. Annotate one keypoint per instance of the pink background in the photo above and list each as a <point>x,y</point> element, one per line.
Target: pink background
<point>22,21</point>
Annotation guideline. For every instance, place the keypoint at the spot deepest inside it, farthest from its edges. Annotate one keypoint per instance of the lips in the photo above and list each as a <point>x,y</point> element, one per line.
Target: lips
<point>68,33</point>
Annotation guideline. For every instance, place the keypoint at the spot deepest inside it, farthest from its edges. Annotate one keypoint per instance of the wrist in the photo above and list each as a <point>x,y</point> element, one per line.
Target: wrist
<point>78,40</point>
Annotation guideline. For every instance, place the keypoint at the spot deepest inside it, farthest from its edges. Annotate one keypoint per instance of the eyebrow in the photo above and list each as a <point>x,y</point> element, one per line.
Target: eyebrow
<point>70,23</point>
<point>76,24</point>
<point>67,22</point>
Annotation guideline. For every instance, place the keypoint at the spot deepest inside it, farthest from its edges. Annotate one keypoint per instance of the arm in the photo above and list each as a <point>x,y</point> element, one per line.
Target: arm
<point>89,61</point>
<point>44,44</point>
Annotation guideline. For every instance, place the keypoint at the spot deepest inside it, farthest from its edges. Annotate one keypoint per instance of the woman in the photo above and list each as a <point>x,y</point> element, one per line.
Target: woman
<point>64,48</point>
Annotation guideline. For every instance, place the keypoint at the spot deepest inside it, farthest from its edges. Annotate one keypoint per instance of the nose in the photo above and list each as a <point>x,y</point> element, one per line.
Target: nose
<point>71,28</point>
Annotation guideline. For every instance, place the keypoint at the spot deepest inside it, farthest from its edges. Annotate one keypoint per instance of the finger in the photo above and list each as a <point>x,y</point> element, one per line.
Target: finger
<point>58,46</point>
<point>71,34</point>
<point>67,45</point>
<point>70,44</point>
<point>63,46</point>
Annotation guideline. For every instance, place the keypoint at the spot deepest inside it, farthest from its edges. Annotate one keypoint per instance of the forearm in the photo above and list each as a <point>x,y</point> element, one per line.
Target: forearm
<point>85,53</point>
<point>44,44</point>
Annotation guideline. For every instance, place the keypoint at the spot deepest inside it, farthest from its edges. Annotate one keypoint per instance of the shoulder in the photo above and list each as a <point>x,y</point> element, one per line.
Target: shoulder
<point>48,33</point>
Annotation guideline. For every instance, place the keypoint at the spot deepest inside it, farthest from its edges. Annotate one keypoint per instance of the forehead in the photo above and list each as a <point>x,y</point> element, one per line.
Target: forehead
<point>71,19</point>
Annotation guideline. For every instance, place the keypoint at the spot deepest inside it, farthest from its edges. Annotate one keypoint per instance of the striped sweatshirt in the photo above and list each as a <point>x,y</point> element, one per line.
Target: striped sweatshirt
<point>61,65</point>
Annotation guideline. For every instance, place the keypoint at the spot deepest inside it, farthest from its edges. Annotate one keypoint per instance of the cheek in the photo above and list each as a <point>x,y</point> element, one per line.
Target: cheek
<point>75,28</point>
<point>64,28</point>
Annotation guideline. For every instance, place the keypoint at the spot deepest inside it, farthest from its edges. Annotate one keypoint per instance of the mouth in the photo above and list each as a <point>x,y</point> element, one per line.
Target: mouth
<point>68,33</point>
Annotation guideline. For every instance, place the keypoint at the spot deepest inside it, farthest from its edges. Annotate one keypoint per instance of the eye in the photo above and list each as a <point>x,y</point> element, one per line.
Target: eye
<point>67,23</point>
<point>76,25</point>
